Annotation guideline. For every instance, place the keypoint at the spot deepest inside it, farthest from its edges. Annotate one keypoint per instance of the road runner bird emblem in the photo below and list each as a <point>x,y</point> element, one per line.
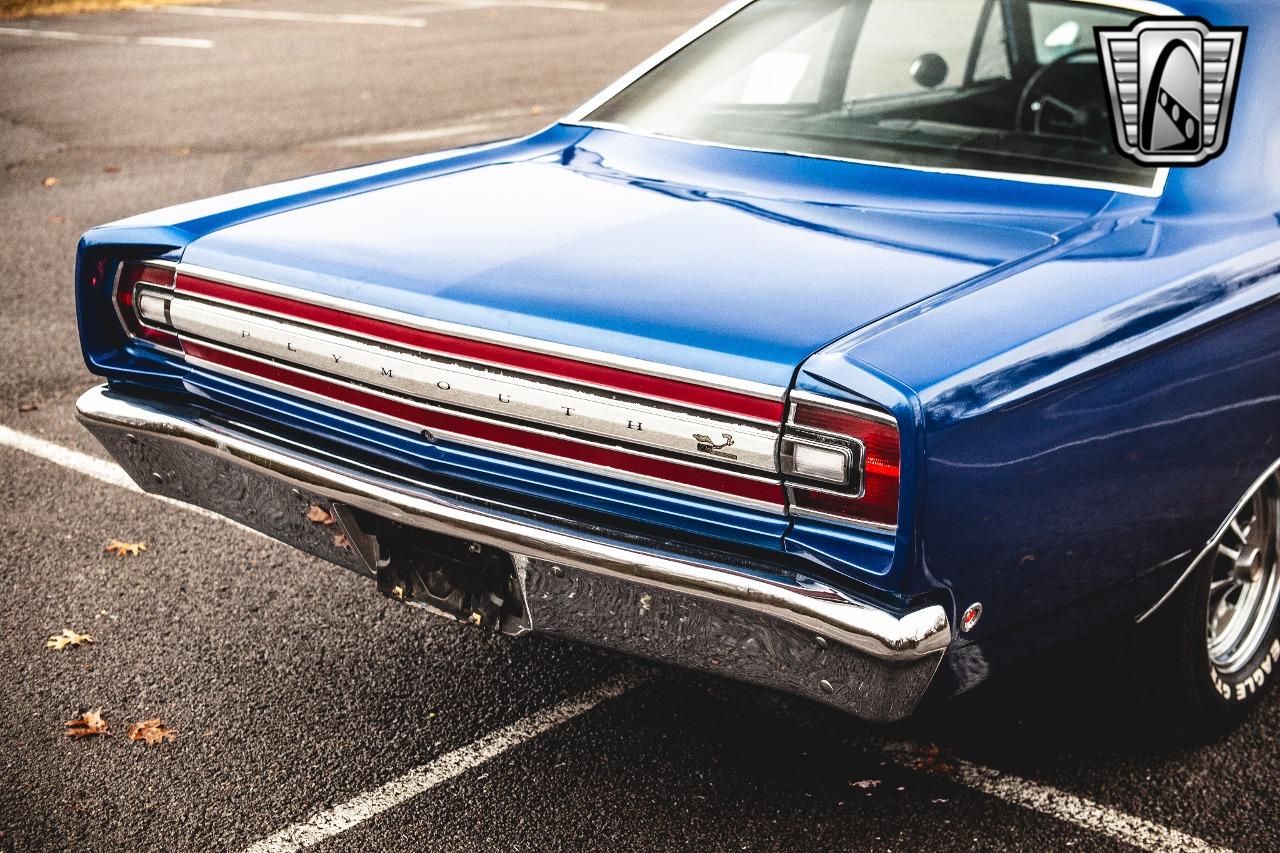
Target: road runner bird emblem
<point>707,445</point>
<point>1172,85</point>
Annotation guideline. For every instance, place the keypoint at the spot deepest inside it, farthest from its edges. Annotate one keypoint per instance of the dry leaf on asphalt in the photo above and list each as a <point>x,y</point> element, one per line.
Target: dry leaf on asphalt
<point>88,725</point>
<point>933,761</point>
<point>68,638</point>
<point>120,549</point>
<point>319,516</point>
<point>29,406</point>
<point>111,169</point>
<point>151,732</point>
<point>57,219</point>
<point>50,182</point>
<point>341,542</point>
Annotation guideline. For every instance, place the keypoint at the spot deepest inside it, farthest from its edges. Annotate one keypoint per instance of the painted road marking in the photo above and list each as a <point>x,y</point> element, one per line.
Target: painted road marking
<point>480,123</point>
<point>566,5</point>
<point>1057,803</point>
<point>293,17</point>
<point>99,469</point>
<point>423,778</point>
<point>97,38</point>
<point>404,136</point>
<point>1045,799</point>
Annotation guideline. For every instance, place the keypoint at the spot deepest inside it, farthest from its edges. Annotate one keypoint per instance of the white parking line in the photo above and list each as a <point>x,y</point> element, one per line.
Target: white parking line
<point>489,122</point>
<point>1045,799</point>
<point>98,38</point>
<point>1051,801</point>
<point>423,778</point>
<point>99,469</point>
<point>566,5</point>
<point>294,17</point>
<point>404,136</point>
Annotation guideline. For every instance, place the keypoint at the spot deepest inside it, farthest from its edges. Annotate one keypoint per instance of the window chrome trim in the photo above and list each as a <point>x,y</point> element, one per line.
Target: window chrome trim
<point>578,117</point>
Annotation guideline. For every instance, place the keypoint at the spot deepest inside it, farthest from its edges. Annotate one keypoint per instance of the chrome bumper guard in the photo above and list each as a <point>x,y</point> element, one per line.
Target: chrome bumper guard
<point>781,631</point>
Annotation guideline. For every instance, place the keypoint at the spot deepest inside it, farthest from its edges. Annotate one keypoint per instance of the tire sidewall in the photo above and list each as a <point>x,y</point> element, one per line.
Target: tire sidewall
<point>1230,694</point>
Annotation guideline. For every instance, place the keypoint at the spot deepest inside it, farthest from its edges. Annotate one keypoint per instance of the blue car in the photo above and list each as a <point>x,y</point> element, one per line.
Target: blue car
<point>847,348</point>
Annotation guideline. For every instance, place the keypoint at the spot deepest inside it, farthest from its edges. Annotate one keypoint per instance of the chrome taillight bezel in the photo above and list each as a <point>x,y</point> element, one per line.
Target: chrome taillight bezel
<point>883,508</point>
<point>127,289</point>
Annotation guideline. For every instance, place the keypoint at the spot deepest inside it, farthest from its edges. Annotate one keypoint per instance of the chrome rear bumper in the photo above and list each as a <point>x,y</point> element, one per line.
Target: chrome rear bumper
<point>778,630</point>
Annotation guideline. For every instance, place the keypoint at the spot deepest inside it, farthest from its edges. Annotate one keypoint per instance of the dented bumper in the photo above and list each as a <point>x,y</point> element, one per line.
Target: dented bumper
<point>775,629</point>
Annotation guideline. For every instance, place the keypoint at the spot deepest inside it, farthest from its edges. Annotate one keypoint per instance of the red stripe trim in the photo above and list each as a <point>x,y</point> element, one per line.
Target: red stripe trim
<point>609,377</point>
<point>673,472</point>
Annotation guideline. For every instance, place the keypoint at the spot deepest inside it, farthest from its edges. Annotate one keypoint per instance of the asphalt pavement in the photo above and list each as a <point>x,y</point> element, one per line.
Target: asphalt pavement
<point>304,705</point>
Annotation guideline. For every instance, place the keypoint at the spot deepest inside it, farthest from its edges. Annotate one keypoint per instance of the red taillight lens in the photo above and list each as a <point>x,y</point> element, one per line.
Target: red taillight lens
<point>150,284</point>
<point>869,491</point>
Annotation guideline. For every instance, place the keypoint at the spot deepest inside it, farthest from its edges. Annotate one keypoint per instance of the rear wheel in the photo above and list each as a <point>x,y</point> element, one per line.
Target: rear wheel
<point>1208,654</point>
<point>1244,591</point>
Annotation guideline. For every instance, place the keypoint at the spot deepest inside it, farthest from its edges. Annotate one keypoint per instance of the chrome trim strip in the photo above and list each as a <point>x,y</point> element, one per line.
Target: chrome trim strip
<point>778,629</point>
<point>579,116</point>
<point>799,396</point>
<point>506,449</point>
<point>142,321</point>
<point>565,351</point>
<point>801,512</point>
<point>1212,544</point>
<point>456,384</point>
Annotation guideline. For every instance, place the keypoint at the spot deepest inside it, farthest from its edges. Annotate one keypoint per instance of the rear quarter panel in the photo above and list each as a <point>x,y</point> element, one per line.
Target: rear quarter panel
<point>1087,423</point>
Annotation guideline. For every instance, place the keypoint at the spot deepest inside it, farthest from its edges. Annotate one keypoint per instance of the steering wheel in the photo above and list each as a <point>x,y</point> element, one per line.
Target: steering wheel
<point>1080,116</point>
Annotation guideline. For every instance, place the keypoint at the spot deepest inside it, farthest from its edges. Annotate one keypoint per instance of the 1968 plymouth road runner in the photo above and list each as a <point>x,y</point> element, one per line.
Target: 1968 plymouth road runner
<point>838,349</point>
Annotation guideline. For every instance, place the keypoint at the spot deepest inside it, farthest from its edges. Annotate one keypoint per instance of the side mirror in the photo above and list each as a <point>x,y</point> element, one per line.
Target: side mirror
<point>929,70</point>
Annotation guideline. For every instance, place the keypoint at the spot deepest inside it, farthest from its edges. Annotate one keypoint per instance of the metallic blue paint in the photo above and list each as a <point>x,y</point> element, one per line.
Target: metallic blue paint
<point>1084,381</point>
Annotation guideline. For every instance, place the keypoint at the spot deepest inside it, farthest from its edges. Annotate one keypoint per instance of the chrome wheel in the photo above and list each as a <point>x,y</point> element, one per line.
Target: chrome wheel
<point>1245,587</point>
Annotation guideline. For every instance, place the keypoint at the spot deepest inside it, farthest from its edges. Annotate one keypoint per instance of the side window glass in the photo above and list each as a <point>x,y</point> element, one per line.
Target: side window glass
<point>1058,29</point>
<point>992,61</point>
<point>791,74</point>
<point>891,60</point>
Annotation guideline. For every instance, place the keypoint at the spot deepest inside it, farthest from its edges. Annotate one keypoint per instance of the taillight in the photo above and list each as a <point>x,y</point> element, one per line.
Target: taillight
<point>842,462</point>
<point>142,296</point>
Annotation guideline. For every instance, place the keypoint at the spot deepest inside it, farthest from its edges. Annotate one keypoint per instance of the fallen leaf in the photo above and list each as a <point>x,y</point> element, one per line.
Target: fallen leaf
<point>320,516</point>
<point>29,406</point>
<point>151,732</point>
<point>87,725</point>
<point>341,542</point>
<point>50,182</point>
<point>933,761</point>
<point>57,219</point>
<point>120,549</point>
<point>111,169</point>
<point>184,151</point>
<point>535,110</point>
<point>68,638</point>
<point>866,784</point>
